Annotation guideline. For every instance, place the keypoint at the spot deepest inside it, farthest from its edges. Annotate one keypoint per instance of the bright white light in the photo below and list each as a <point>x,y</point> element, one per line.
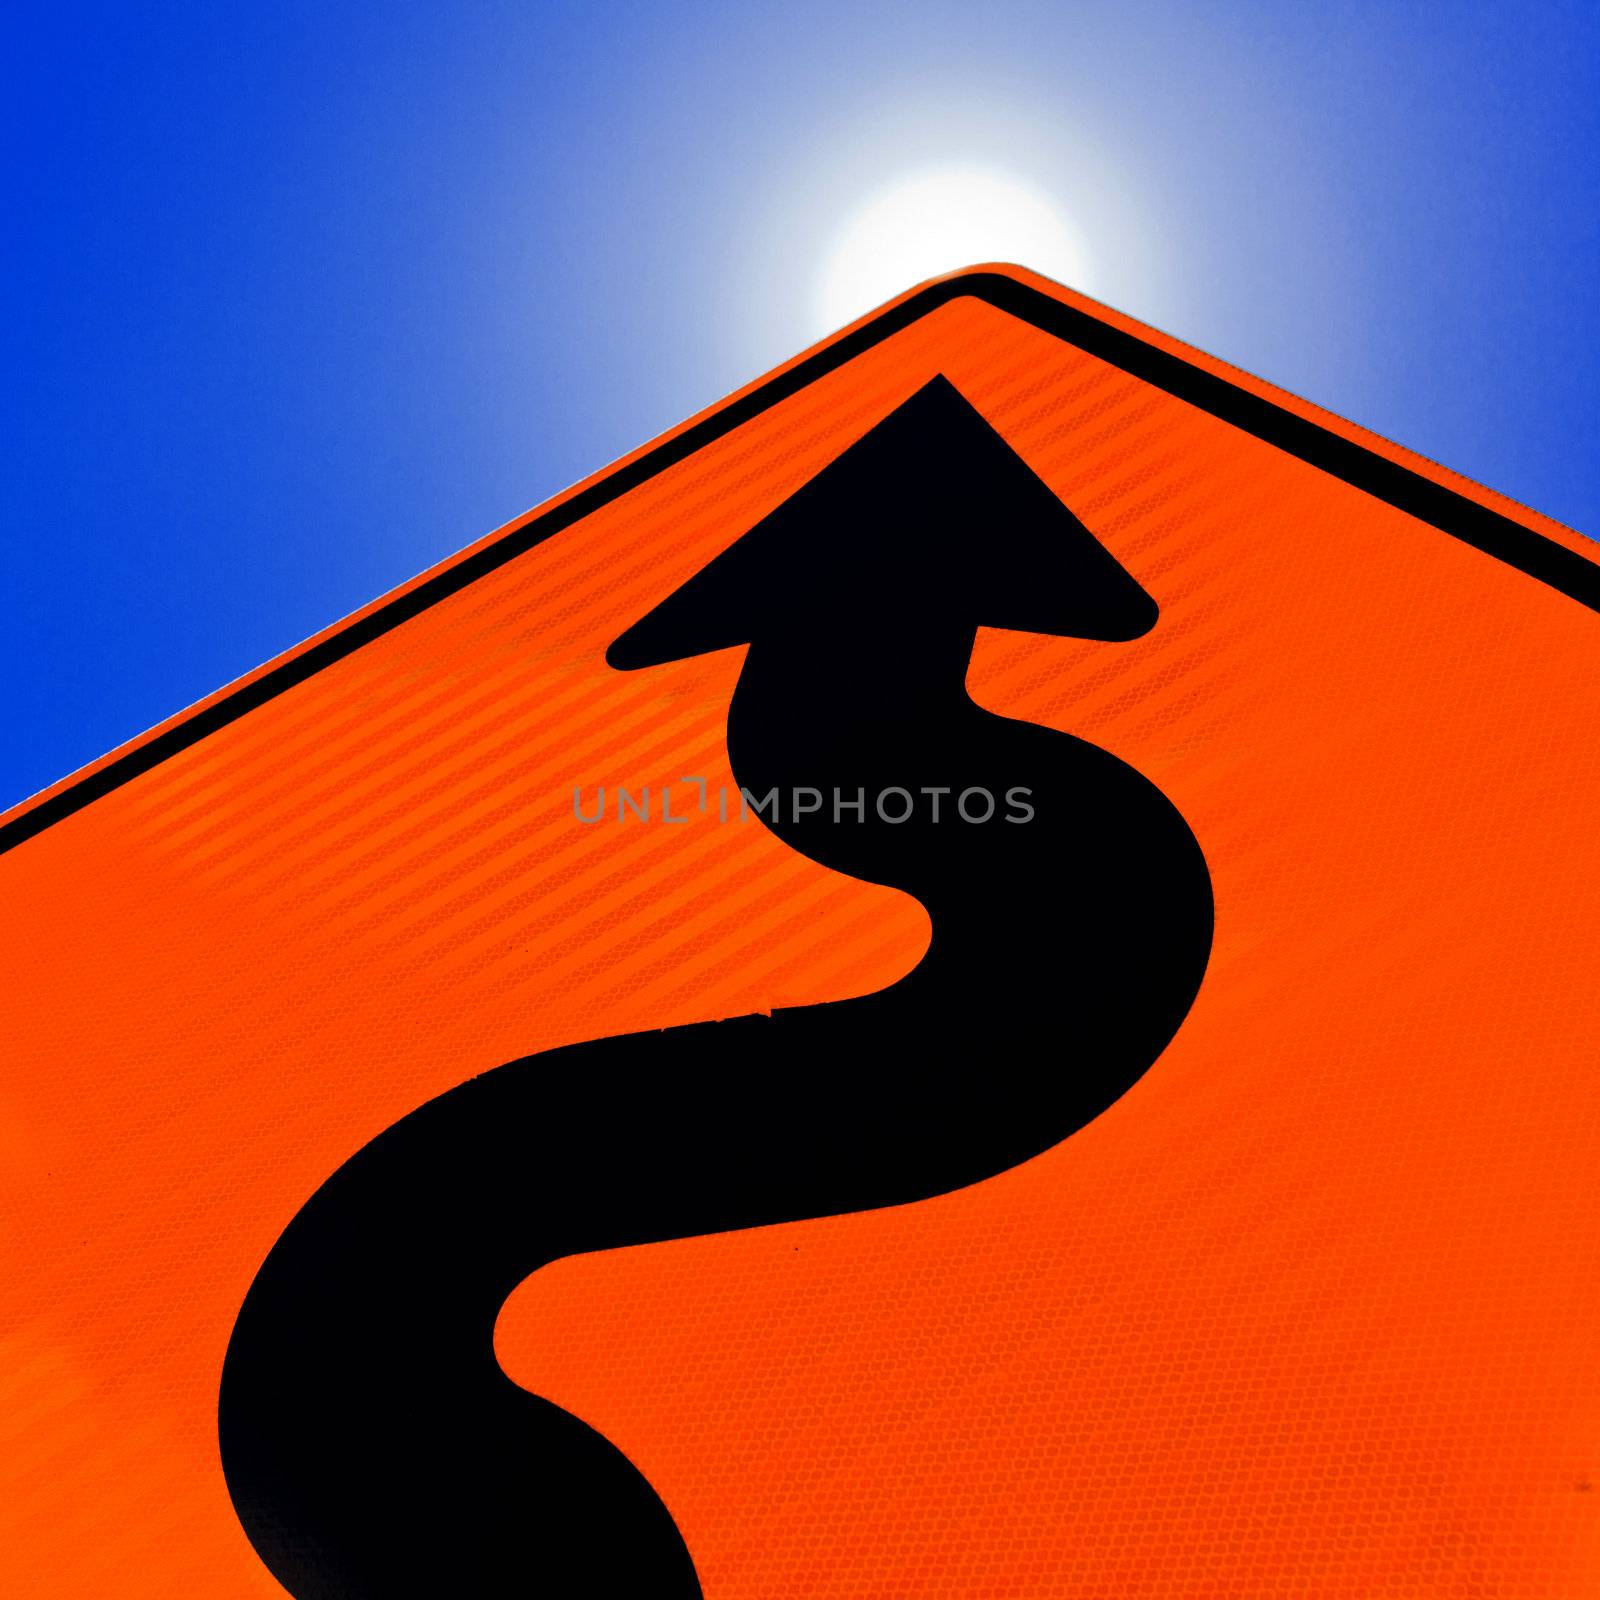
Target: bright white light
<point>935,222</point>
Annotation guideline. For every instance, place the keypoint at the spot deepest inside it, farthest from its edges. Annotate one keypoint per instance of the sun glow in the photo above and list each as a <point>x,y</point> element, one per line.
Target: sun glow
<point>936,221</point>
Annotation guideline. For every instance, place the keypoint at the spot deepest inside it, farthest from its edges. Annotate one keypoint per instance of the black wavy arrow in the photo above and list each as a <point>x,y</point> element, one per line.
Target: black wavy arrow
<point>372,1445</point>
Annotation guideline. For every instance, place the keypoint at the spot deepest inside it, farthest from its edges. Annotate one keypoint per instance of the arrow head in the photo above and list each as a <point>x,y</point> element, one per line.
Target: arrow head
<point>930,515</point>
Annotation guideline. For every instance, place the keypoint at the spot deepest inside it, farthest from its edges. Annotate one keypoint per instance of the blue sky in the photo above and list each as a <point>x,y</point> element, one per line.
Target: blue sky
<point>300,298</point>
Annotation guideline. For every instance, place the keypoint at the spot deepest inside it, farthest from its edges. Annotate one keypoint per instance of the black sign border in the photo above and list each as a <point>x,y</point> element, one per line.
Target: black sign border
<point>1400,486</point>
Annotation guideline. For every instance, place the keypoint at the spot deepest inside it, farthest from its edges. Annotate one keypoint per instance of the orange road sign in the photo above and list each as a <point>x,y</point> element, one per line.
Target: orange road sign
<point>1300,1296</point>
